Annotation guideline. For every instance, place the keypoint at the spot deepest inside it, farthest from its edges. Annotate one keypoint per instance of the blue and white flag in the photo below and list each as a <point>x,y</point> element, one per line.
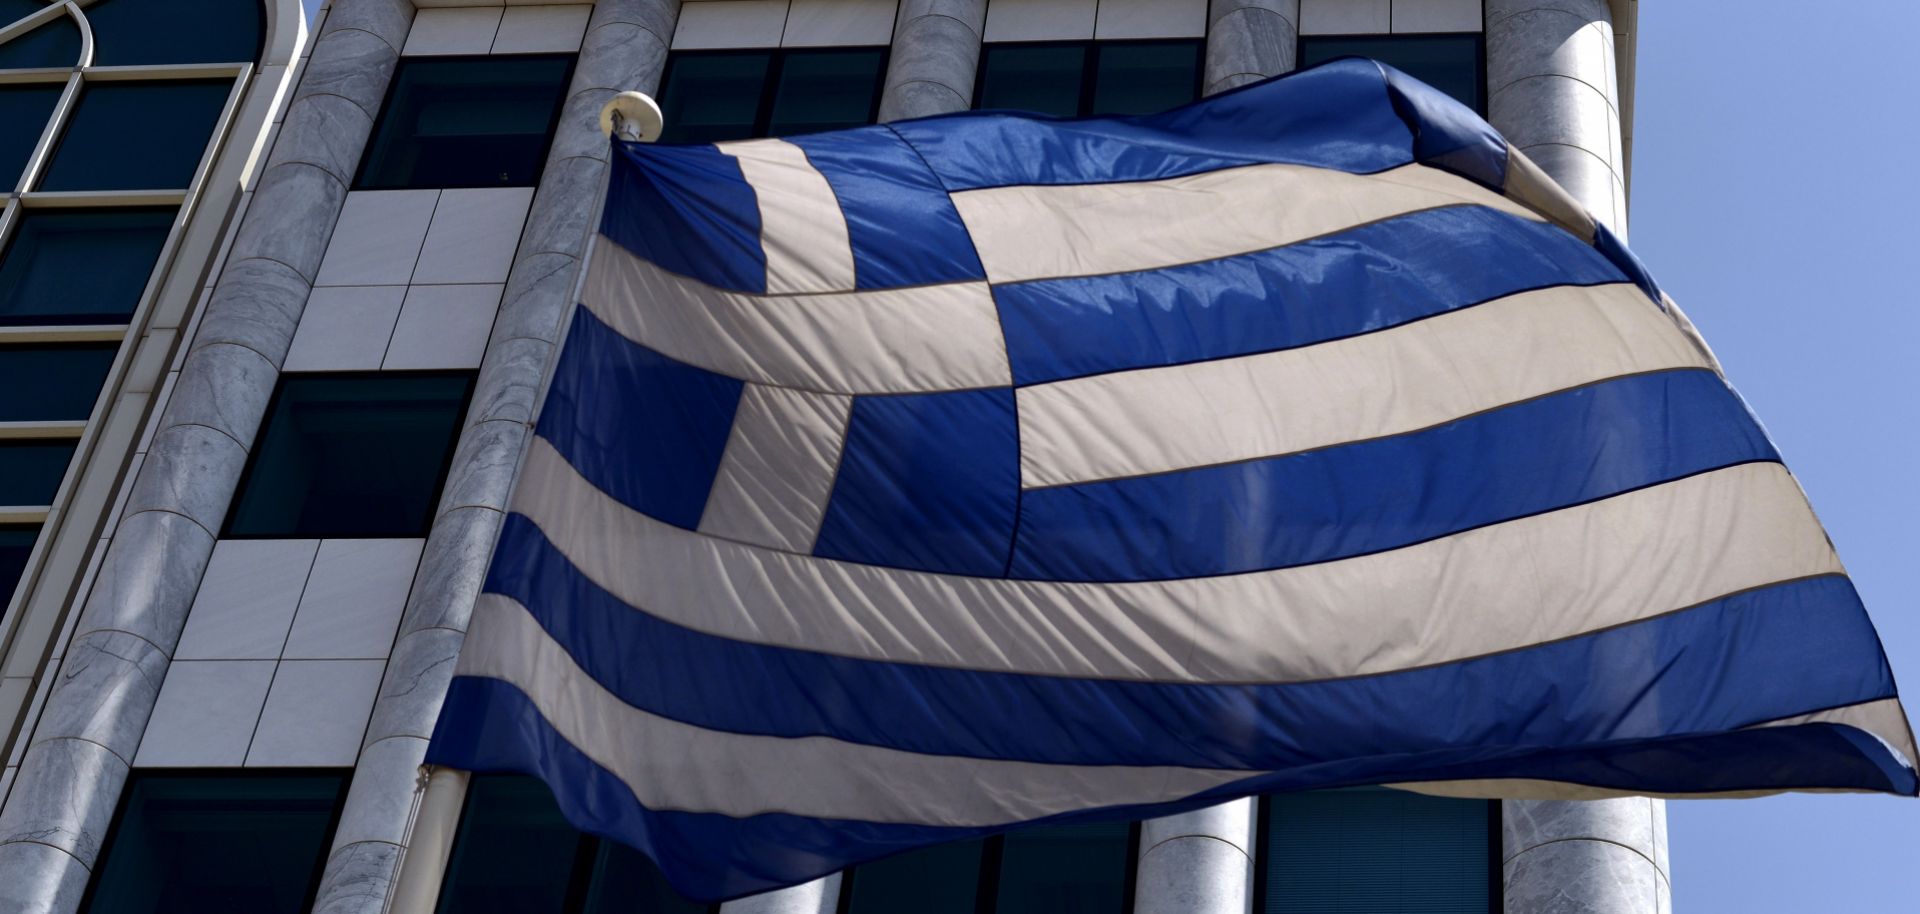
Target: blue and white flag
<point>920,481</point>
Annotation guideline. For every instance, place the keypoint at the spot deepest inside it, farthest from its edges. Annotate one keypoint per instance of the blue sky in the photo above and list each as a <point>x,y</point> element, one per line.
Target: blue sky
<point>1774,197</point>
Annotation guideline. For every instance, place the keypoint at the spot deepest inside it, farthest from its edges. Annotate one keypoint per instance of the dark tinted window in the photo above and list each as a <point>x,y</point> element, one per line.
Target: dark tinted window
<point>1073,869</point>
<point>466,122</point>
<point>24,111</point>
<point>1450,63</point>
<point>1073,79</point>
<point>52,44</point>
<point>185,843</point>
<point>171,121</point>
<point>1378,851</point>
<point>175,31</point>
<point>16,543</point>
<point>67,266</point>
<point>712,96</point>
<point>351,456</point>
<point>30,470</point>
<point>52,381</point>
<point>514,854</point>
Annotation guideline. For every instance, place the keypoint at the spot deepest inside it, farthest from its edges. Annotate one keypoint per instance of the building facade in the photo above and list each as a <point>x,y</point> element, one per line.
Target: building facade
<point>275,306</point>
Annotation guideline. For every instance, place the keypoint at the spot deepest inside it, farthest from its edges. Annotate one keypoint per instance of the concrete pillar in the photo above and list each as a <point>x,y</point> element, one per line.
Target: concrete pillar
<point>625,47</point>
<point>1249,40</point>
<point>936,51</point>
<point>1553,92</point>
<point>1198,862</point>
<point>820,896</point>
<point>72,774</point>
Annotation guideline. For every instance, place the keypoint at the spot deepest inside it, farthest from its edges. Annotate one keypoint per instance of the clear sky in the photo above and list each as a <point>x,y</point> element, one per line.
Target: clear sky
<point>1774,196</point>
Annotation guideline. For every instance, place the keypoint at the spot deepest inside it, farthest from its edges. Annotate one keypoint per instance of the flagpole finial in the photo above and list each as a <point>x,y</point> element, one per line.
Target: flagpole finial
<point>632,116</point>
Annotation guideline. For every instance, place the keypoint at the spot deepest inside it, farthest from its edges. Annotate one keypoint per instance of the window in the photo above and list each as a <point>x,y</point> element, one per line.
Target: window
<point>16,544</point>
<point>712,96</point>
<point>351,456</point>
<point>1061,869</point>
<point>171,120</point>
<point>52,44</point>
<point>73,266</point>
<point>24,111</point>
<point>30,470</point>
<point>1378,851</point>
<point>127,32</point>
<point>52,382</point>
<point>192,842</point>
<point>1454,64</point>
<point>514,854</point>
<point>1073,79</point>
<point>466,122</point>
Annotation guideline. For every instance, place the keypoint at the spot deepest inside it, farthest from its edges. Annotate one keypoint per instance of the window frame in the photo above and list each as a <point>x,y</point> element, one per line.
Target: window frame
<point>393,89</point>
<point>1479,54</point>
<point>776,68</point>
<point>1089,70</point>
<point>1496,850</point>
<point>986,892</point>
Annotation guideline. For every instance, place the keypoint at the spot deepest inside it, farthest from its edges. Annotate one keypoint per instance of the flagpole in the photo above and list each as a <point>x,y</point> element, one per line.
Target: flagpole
<point>630,116</point>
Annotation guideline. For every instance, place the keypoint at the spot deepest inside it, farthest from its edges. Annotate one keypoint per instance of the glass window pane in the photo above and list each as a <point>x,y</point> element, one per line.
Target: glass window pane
<point>709,98</point>
<point>1377,851</point>
<point>1145,77</point>
<point>943,879</point>
<point>175,31</point>
<point>198,843</point>
<point>30,470</point>
<point>54,44</point>
<point>1070,869</point>
<point>1450,63</point>
<point>14,10</point>
<point>466,122</point>
<point>1042,78</point>
<point>626,881</point>
<point>351,455</point>
<point>16,543</point>
<point>827,90</point>
<point>173,121</point>
<point>70,266</point>
<point>52,382</point>
<point>514,854</point>
<point>23,115</point>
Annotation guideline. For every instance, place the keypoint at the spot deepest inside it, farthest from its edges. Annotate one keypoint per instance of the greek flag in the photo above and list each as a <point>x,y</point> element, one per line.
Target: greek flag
<point>921,481</point>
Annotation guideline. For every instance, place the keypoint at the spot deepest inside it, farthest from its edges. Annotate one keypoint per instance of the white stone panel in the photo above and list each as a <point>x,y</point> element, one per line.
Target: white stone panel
<point>316,713</point>
<point>1039,20</point>
<point>247,599</point>
<point>473,235</point>
<point>377,239</point>
<point>542,29</point>
<point>841,23</point>
<point>345,328</point>
<point>1152,19</point>
<point>465,30</point>
<point>1436,15</point>
<point>730,24</point>
<point>353,600</point>
<point>443,327</point>
<point>205,714</point>
<point>1345,17</point>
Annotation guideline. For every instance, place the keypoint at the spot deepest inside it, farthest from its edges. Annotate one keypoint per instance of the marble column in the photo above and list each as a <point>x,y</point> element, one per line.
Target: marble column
<point>820,896</point>
<point>1249,40</point>
<point>1553,91</point>
<point>625,48</point>
<point>1199,862</point>
<point>936,51</point>
<point>77,763</point>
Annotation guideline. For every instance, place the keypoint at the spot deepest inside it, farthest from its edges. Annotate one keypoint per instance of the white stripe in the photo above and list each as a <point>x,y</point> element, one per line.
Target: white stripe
<point>930,338</point>
<point>1399,380</point>
<point>675,766</point>
<point>778,469</point>
<point>1497,588</point>
<point>1044,231</point>
<point>802,229</point>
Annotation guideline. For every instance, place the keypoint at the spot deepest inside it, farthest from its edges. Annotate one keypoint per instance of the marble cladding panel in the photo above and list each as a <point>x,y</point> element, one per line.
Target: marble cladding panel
<point>1040,20</point>
<point>1554,110</point>
<point>817,897</point>
<point>1231,822</point>
<point>1436,16</point>
<point>451,569</point>
<point>345,328</point>
<point>179,463</point>
<point>246,600</point>
<point>443,327</point>
<point>1346,17</point>
<point>537,296</point>
<point>352,603</point>
<point>415,685</point>
<point>1586,177</point>
<point>146,584</point>
<point>656,16</point>
<point>1572,40</point>
<point>257,304</point>
<point>223,386</point>
<point>542,29</point>
<point>1582,877</point>
<point>381,795</point>
<point>1193,875</point>
<point>839,23</point>
<point>462,30</point>
<point>38,879</point>
<point>206,714</point>
<point>1250,40</point>
<point>564,225</point>
<point>1119,19</point>
<point>292,199</point>
<point>325,131</point>
<point>1626,821</point>
<point>510,380</point>
<point>356,878</point>
<point>387,19</point>
<point>58,800</point>
<point>316,713</point>
<point>353,64</point>
<point>730,24</point>
<point>378,238</point>
<point>936,52</point>
<point>473,234</point>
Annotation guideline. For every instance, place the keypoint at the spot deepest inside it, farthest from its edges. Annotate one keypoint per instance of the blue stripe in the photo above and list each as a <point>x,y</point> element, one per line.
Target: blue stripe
<point>1641,681</point>
<point>1610,246</point>
<point>1337,115</point>
<point>643,428</point>
<point>879,181</point>
<point>689,210</point>
<point>928,482</point>
<point>488,725</point>
<point>1365,279</point>
<point>1528,458</point>
<point>1448,134</point>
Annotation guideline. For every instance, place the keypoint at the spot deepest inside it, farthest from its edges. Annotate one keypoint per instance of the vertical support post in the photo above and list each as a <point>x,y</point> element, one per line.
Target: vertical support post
<point>820,896</point>
<point>1249,40</point>
<point>936,53</point>
<point>1198,862</point>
